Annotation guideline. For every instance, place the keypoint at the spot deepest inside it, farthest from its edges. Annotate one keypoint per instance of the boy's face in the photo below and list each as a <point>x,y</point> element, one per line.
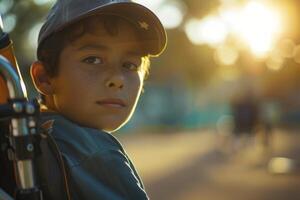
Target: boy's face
<point>100,78</point>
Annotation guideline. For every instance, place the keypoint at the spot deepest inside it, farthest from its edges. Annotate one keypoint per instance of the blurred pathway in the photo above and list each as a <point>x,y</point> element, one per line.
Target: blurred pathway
<point>195,166</point>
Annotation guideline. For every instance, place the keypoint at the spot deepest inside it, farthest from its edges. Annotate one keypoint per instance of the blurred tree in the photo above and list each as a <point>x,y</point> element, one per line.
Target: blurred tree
<point>181,58</point>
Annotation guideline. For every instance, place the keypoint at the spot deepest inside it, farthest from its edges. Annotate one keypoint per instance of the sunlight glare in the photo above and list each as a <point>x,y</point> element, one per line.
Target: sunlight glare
<point>258,26</point>
<point>211,30</point>
<point>254,25</point>
<point>171,15</point>
<point>230,16</point>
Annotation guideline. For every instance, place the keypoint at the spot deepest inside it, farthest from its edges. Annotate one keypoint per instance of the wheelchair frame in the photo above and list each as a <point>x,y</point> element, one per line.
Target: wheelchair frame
<point>22,135</point>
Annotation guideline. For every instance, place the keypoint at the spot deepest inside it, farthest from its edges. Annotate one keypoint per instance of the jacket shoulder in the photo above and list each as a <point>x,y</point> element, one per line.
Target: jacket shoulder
<point>77,143</point>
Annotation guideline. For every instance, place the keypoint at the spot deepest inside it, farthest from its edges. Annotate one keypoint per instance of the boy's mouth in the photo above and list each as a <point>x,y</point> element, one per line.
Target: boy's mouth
<point>111,102</point>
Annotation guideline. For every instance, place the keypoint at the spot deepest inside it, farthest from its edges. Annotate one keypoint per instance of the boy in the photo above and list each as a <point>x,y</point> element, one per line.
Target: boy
<point>93,56</point>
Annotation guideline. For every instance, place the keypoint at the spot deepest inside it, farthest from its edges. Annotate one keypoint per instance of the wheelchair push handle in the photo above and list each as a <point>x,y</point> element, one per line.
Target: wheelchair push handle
<point>7,51</point>
<point>13,100</point>
<point>23,130</point>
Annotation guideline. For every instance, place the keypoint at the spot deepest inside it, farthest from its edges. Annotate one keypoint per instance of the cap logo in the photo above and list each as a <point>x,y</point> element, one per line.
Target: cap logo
<point>144,25</point>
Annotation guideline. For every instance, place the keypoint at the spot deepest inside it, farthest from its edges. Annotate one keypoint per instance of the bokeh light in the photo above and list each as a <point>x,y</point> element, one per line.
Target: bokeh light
<point>275,61</point>
<point>43,2</point>
<point>211,30</point>
<point>286,48</point>
<point>297,54</point>
<point>226,55</point>
<point>258,26</point>
<point>9,22</point>
<point>5,6</point>
<point>230,16</point>
<point>280,165</point>
<point>171,14</point>
<point>33,35</point>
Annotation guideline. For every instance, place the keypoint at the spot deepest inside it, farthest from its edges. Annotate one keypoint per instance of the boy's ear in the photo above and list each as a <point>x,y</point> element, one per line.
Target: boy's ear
<point>41,80</point>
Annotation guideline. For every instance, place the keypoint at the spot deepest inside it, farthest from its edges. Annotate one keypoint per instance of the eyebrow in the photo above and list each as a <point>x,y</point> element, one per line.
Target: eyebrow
<point>103,47</point>
<point>92,47</point>
<point>135,53</point>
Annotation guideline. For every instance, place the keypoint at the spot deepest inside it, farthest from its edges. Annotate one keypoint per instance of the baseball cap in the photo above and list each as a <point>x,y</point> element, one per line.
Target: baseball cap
<point>67,12</point>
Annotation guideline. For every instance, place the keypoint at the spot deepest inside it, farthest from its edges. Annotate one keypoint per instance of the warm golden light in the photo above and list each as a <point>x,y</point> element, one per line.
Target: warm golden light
<point>287,48</point>
<point>210,30</point>
<point>256,25</point>
<point>275,61</point>
<point>280,165</point>
<point>297,54</point>
<point>227,73</point>
<point>226,55</point>
<point>259,26</point>
<point>171,13</point>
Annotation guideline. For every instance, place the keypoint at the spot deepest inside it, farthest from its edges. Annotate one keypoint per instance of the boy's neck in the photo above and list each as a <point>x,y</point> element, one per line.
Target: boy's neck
<point>47,105</point>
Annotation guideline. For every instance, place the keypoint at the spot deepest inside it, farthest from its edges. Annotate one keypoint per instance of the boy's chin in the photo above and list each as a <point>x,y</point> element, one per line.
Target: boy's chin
<point>112,125</point>
<point>110,129</point>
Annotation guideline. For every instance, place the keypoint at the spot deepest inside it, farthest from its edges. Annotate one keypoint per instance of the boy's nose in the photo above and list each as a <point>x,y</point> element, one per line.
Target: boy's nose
<point>116,81</point>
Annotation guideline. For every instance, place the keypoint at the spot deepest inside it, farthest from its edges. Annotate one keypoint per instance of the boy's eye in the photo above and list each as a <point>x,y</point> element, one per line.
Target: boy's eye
<point>93,60</point>
<point>131,66</point>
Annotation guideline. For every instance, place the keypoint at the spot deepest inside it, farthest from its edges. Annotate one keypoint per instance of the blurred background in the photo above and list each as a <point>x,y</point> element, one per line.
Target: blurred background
<point>219,118</point>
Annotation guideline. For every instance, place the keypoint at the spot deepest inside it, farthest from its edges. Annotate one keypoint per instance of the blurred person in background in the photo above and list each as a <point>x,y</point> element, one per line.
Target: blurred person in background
<point>245,111</point>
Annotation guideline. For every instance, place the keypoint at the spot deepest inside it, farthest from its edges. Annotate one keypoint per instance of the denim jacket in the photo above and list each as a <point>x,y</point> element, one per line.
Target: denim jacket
<point>84,163</point>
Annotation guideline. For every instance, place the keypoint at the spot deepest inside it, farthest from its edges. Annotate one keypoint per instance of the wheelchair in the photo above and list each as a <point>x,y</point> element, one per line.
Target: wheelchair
<point>19,139</point>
